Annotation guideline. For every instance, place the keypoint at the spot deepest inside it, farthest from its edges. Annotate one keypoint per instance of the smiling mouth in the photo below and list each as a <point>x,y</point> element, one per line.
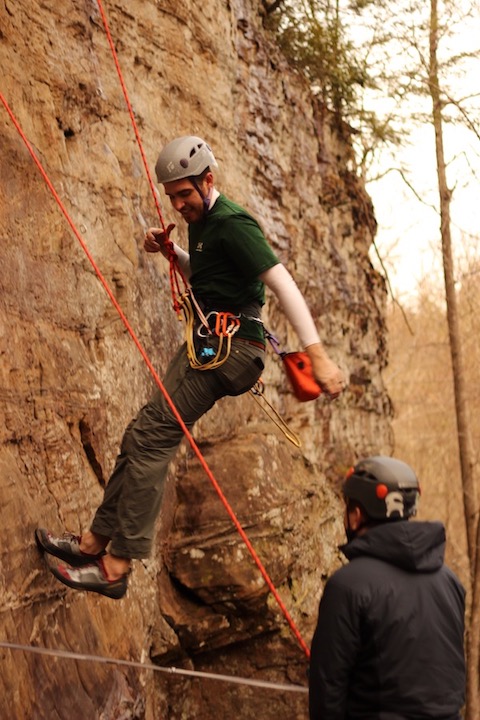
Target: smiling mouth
<point>187,215</point>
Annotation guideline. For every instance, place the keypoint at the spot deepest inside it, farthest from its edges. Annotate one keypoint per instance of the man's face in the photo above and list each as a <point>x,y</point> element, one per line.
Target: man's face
<point>186,199</point>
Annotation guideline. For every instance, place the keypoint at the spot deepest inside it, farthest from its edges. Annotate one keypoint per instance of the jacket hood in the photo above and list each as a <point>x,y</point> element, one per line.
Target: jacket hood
<point>413,546</point>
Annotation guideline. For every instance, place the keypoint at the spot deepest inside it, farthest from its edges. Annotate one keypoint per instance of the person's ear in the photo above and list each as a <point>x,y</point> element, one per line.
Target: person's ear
<point>208,179</point>
<point>356,518</point>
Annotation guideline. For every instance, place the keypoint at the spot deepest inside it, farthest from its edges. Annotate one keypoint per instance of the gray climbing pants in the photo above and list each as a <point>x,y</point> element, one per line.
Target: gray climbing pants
<point>134,492</point>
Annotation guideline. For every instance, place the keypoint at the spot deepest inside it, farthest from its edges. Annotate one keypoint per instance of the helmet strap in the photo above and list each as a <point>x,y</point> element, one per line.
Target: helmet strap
<point>205,198</point>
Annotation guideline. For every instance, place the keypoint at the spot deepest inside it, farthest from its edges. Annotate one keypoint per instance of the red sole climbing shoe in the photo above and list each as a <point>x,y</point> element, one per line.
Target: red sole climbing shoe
<point>91,578</point>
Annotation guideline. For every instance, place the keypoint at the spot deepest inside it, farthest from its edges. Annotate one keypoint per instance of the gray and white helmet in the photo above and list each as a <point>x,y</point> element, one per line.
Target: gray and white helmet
<point>386,488</point>
<point>184,157</point>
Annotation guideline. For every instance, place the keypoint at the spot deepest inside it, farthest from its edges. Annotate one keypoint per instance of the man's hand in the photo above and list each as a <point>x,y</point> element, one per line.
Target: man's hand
<point>330,378</point>
<point>156,240</point>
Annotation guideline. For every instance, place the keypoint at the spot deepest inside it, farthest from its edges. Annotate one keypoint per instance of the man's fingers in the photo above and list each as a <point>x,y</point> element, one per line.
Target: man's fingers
<point>156,238</point>
<point>334,389</point>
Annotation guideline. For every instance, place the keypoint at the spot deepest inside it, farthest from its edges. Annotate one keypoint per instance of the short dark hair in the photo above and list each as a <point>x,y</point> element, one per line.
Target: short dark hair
<point>202,176</point>
<point>352,505</point>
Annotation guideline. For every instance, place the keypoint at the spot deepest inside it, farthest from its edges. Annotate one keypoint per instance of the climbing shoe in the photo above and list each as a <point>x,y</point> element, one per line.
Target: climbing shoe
<point>66,547</point>
<point>92,578</point>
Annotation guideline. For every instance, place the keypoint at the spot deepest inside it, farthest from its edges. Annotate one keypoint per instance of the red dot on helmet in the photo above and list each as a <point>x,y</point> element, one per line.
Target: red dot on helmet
<point>381,491</point>
<point>350,472</point>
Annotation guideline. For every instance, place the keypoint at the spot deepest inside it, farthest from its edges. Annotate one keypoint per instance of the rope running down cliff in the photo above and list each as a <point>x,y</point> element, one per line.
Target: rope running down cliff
<point>159,383</point>
<point>175,272</point>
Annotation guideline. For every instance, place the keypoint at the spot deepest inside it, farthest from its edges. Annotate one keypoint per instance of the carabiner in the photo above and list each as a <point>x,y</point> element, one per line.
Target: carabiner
<point>226,324</point>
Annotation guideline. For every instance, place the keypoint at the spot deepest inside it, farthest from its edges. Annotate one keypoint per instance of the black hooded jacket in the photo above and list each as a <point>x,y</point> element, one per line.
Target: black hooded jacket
<point>389,639</point>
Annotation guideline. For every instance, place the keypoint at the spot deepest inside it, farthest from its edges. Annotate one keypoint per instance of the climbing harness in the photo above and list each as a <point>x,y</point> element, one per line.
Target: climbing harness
<point>208,337</point>
<point>209,347</point>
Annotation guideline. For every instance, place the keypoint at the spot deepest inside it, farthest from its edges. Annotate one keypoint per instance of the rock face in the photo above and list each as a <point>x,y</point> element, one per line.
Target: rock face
<point>71,376</point>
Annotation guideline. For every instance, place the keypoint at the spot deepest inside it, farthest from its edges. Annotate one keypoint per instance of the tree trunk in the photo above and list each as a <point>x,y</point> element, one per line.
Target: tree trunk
<point>473,640</point>
<point>463,429</point>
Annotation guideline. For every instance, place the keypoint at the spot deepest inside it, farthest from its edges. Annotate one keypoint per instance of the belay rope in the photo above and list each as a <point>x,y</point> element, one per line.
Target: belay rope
<point>187,433</point>
<point>175,273</point>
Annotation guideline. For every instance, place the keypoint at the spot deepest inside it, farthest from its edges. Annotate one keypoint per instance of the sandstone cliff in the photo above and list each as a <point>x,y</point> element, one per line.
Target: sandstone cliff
<point>71,377</point>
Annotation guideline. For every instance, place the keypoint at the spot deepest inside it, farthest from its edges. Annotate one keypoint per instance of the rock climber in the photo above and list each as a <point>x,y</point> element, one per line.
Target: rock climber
<point>228,264</point>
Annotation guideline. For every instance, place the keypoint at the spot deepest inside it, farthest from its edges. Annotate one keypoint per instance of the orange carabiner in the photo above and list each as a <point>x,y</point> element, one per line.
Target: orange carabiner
<point>226,324</point>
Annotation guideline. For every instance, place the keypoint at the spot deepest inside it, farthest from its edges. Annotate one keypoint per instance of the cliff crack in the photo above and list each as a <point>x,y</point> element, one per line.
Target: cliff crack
<point>86,436</point>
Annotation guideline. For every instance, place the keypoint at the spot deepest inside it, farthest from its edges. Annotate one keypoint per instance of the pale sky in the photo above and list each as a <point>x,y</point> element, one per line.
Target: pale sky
<point>408,235</point>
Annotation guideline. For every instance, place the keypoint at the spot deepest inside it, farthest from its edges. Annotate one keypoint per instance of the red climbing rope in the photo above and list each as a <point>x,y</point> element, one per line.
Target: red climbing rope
<point>143,353</point>
<point>131,113</point>
<point>176,273</point>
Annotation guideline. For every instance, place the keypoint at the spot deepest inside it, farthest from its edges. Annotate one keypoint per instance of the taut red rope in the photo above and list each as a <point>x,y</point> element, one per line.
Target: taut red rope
<point>140,348</point>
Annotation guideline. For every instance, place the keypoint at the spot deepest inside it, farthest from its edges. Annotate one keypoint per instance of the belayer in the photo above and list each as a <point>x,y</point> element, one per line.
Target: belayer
<point>228,264</point>
<point>389,641</point>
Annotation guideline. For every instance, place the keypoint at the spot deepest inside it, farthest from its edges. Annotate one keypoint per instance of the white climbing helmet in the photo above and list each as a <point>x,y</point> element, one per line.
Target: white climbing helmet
<point>184,157</point>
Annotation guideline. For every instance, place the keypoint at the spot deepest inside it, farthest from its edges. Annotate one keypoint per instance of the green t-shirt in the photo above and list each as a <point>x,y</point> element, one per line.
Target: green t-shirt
<point>228,251</point>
